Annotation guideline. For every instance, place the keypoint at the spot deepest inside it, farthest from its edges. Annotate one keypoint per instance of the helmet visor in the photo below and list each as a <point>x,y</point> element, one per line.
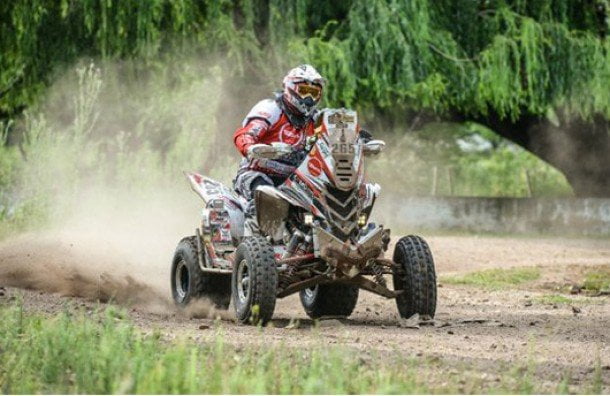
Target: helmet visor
<point>314,91</point>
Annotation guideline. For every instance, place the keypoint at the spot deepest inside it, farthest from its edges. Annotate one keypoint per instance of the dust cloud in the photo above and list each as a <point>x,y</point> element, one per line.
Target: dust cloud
<point>105,153</point>
<point>109,249</point>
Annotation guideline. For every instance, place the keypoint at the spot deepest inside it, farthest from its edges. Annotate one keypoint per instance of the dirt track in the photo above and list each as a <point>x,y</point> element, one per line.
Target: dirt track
<point>478,330</point>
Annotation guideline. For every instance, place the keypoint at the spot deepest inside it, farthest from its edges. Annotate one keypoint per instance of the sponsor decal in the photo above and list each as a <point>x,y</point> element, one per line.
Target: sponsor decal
<point>290,135</point>
<point>314,166</point>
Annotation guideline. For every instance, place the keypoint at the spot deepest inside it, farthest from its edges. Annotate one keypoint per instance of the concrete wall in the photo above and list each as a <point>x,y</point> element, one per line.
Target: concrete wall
<point>587,216</point>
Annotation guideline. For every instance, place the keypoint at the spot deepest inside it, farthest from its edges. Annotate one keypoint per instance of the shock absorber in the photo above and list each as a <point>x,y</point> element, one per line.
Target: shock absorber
<point>378,273</point>
<point>295,240</point>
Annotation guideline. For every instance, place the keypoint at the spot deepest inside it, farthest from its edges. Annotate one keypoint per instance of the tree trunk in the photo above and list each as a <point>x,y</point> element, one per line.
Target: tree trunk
<point>579,148</point>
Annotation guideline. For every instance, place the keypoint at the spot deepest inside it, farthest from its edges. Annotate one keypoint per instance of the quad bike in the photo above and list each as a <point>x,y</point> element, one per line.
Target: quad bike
<point>313,236</point>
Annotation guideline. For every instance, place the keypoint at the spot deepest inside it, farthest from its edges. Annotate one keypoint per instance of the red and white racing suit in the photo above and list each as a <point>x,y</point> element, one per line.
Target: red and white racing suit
<point>267,123</point>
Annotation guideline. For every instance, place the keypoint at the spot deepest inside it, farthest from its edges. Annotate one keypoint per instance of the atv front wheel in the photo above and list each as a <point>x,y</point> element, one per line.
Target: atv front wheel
<point>254,281</point>
<point>190,283</point>
<point>329,300</point>
<point>415,275</point>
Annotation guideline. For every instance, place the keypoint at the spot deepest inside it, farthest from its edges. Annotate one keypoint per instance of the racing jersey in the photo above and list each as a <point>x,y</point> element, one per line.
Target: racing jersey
<point>267,123</point>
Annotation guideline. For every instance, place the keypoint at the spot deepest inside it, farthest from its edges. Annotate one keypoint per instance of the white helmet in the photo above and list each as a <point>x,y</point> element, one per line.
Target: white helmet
<point>303,90</point>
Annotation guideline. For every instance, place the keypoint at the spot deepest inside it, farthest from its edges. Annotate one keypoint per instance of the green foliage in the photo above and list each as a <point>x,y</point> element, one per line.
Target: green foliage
<point>102,353</point>
<point>509,56</point>
<point>559,299</point>
<point>121,127</point>
<point>409,54</point>
<point>555,299</point>
<point>12,218</point>
<point>99,129</point>
<point>505,172</point>
<point>105,354</point>
<point>598,280</point>
<point>8,162</point>
<point>497,169</point>
<point>496,278</point>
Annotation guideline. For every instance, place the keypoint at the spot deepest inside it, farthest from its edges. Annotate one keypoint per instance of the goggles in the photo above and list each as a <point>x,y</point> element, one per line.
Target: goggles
<point>304,90</point>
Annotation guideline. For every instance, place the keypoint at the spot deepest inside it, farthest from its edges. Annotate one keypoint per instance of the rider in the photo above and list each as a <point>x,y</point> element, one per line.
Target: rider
<point>289,119</point>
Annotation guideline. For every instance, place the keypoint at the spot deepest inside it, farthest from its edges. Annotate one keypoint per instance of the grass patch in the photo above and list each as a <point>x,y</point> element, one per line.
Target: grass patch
<point>496,278</point>
<point>555,299</point>
<point>598,281</point>
<point>104,353</point>
<point>558,299</point>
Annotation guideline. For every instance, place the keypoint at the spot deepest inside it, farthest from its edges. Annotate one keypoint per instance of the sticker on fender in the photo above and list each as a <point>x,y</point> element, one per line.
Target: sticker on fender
<point>314,167</point>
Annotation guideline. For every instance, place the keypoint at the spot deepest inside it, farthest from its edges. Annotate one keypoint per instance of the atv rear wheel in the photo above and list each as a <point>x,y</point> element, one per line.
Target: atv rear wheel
<point>190,283</point>
<point>416,276</point>
<point>254,281</point>
<point>329,300</point>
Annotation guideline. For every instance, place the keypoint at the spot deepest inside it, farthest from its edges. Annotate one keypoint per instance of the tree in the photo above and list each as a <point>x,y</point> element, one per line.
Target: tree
<point>537,72</point>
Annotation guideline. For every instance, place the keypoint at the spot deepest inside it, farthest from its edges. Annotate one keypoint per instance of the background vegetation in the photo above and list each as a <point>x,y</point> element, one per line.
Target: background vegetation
<point>506,56</point>
<point>131,93</point>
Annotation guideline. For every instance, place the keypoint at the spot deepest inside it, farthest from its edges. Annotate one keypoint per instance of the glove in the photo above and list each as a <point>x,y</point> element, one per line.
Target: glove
<point>282,148</point>
<point>365,136</point>
<point>273,151</point>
